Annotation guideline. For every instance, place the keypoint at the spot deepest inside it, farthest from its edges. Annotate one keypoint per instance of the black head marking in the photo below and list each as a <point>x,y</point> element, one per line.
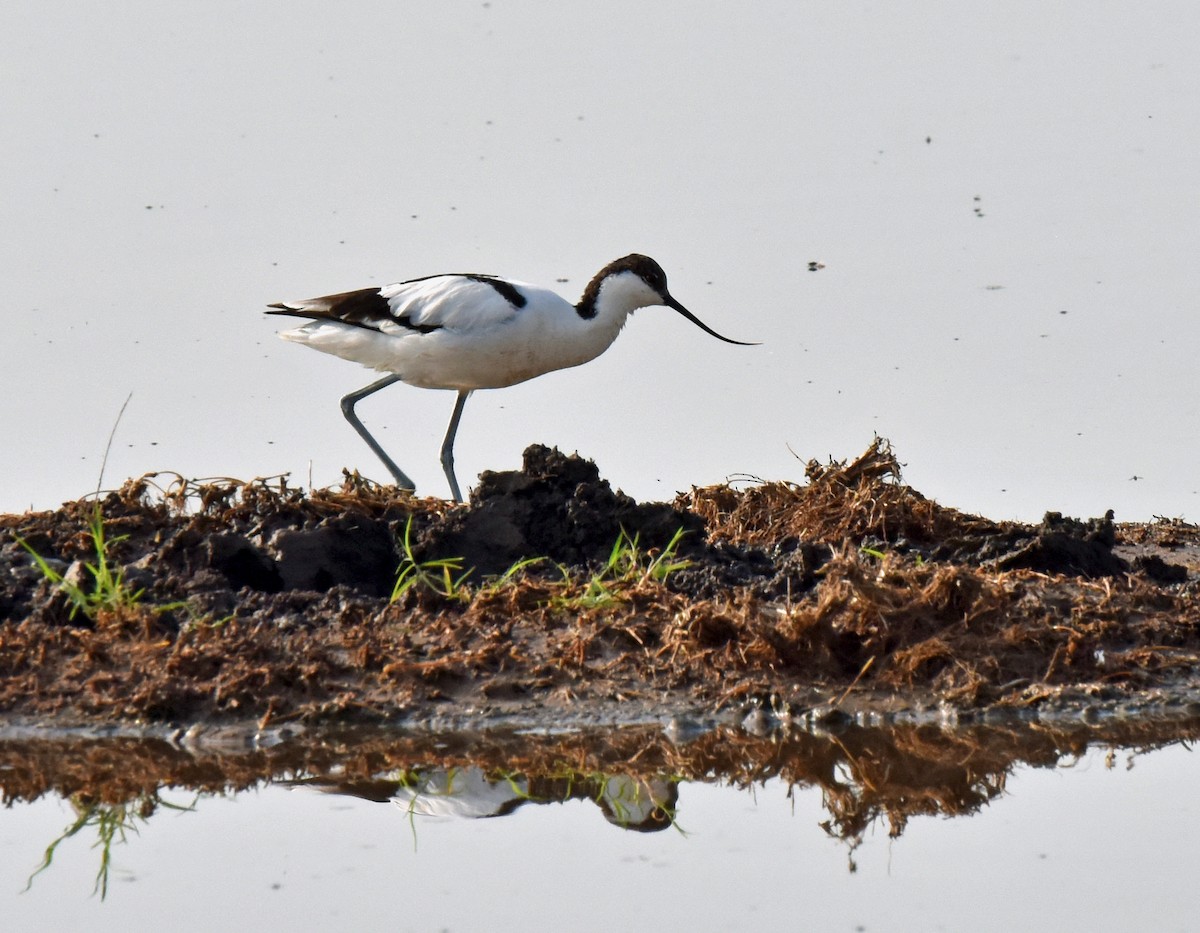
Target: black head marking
<point>646,268</point>
<point>652,274</point>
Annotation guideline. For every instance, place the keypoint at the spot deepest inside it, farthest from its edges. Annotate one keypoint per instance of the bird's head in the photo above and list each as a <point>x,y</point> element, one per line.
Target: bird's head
<point>638,281</point>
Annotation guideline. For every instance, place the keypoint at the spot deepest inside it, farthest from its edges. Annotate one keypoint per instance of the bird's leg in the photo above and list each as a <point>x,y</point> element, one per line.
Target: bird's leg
<point>348,404</point>
<point>448,445</point>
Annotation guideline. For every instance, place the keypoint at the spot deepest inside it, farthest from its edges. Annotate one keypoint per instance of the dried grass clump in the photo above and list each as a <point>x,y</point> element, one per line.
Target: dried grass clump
<point>226,500</point>
<point>841,501</point>
<point>1163,532</point>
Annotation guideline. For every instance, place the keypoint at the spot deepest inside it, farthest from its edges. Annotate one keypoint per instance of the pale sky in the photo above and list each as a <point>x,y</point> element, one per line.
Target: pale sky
<point>1004,204</point>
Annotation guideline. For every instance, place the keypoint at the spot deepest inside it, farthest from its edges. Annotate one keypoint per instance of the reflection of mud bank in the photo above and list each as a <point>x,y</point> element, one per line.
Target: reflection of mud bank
<point>255,601</point>
<point>637,776</point>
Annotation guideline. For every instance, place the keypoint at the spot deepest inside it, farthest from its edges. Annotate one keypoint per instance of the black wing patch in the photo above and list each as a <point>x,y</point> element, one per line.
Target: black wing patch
<point>507,290</point>
<point>365,308</point>
<point>368,309</point>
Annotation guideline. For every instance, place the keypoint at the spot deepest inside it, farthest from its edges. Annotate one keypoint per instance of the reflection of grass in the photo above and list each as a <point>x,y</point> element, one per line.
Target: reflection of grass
<point>111,823</point>
<point>411,779</point>
<point>108,592</point>
<point>626,797</point>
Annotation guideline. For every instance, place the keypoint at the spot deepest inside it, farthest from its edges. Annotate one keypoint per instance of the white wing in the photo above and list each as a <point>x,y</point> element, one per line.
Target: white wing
<point>459,303</point>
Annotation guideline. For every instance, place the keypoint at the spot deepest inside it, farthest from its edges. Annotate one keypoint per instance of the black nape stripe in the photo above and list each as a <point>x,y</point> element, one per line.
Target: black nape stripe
<point>507,290</point>
<point>586,308</point>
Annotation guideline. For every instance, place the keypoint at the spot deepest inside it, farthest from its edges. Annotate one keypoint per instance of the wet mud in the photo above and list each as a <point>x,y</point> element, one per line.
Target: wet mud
<point>553,599</point>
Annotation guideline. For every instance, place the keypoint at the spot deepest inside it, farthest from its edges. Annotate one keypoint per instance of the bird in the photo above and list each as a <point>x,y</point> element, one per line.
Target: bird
<point>472,331</point>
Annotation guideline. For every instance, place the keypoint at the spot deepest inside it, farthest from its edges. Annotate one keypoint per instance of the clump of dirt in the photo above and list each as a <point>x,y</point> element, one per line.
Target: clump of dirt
<point>550,590</point>
<point>556,507</point>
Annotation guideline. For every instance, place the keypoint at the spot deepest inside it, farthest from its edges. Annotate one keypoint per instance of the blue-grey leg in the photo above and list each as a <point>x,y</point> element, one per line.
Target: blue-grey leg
<point>448,445</point>
<point>348,404</point>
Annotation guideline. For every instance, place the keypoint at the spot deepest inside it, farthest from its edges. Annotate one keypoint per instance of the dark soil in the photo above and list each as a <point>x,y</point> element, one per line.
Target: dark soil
<point>258,601</point>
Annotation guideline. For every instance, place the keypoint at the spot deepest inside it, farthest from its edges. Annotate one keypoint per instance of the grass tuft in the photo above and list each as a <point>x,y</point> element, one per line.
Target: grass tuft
<point>443,576</point>
<point>108,592</point>
<point>628,567</point>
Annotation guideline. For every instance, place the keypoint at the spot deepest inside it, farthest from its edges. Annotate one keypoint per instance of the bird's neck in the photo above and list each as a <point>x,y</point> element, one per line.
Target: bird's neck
<point>612,299</point>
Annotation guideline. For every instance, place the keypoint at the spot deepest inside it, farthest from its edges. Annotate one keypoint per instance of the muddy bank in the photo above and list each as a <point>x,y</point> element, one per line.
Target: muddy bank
<point>551,595</point>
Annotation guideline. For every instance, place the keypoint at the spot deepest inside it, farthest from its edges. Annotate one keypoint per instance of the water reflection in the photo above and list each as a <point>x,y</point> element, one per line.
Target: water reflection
<point>637,778</point>
<point>110,824</point>
<point>641,804</point>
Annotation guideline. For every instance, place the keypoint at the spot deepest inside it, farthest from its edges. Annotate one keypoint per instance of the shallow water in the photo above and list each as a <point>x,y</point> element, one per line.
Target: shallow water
<point>1091,836</point>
